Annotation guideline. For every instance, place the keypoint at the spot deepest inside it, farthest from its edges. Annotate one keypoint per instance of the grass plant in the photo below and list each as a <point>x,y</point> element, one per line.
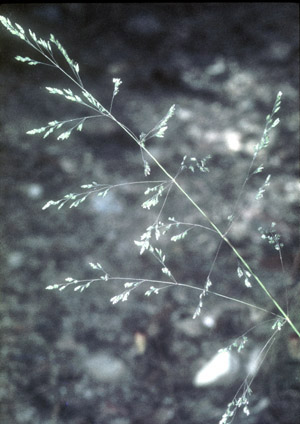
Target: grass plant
<point>157,194</point>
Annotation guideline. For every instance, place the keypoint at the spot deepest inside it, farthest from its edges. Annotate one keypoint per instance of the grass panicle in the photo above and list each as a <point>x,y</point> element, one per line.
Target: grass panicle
<point>157,194</point>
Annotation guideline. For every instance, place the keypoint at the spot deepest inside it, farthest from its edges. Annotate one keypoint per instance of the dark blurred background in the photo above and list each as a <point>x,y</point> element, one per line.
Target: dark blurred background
<point>74,357</point>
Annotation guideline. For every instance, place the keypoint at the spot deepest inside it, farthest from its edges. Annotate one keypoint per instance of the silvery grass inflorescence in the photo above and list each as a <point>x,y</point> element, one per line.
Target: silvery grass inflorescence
<point>157,193</point>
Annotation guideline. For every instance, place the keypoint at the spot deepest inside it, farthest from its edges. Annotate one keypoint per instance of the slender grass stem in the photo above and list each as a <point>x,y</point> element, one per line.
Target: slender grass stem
<point>226,240</point>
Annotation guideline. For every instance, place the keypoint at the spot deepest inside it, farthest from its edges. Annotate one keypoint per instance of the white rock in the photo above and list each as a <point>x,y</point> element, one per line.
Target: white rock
<point>105,368</point>
<point>222,367</point>
<point>34,191</point>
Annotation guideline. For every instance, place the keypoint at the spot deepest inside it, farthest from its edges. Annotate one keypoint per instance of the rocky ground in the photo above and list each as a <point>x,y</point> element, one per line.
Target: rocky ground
<point>69,357</point>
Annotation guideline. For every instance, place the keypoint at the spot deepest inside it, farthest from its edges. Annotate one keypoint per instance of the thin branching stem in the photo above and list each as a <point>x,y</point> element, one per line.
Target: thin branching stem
<point>226,240</point>
<point>172,283</point>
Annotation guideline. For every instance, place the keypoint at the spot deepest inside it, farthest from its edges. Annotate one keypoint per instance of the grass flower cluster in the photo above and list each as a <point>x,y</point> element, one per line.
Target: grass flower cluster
<point>157,193</point>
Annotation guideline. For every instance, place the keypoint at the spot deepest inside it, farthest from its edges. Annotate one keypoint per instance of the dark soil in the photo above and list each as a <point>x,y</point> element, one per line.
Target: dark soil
<point>69,357</point>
